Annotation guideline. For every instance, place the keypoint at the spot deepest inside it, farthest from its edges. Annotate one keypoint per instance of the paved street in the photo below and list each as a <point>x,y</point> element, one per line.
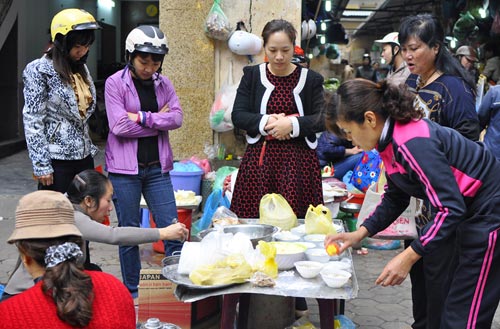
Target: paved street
<point>375,307</point>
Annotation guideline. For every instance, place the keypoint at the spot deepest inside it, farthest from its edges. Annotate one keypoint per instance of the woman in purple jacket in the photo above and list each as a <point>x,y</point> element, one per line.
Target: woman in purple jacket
<point>428,161</point>
<point>142,107</point>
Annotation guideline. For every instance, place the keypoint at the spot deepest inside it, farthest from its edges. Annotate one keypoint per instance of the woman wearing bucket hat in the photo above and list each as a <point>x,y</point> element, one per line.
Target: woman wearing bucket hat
<point>90,193</point>
<point>60,97</point>
<point>142,109</point>
<point>64,295</point>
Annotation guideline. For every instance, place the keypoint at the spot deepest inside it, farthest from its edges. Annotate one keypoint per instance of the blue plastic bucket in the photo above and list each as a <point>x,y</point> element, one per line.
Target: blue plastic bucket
<point>187,180</point>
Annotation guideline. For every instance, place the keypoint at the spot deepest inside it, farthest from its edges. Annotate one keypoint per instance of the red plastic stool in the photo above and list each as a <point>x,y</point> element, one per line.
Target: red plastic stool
<point>183,216</point>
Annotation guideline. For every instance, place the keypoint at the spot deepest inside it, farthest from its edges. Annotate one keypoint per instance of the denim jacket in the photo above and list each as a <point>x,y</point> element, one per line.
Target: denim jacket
<point>53,126</point>
<point>121,97</point>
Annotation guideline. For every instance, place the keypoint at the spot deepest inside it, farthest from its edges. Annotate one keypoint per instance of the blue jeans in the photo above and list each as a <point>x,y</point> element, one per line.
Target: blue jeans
<point>159,195</point>
<point>346,164</point>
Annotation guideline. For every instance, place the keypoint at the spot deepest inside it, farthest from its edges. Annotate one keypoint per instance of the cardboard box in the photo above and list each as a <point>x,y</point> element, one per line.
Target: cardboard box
<point>157,300</point>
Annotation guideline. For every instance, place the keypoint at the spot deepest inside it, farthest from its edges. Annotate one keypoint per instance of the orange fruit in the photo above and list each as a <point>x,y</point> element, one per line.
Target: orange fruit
<point>332,249</point>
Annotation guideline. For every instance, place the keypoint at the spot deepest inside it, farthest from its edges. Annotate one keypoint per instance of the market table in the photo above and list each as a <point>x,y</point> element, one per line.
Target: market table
<point>288,284</point>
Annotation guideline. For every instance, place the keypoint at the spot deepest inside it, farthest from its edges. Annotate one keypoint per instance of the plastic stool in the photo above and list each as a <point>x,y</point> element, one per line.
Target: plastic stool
<point>145,218</point>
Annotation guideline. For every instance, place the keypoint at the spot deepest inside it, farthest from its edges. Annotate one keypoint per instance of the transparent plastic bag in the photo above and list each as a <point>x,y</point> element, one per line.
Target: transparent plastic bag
<point>216,24</point>
<point>275,210</point>
<point>220,113</point>
<point>223,216</point>
<point>222,107</point>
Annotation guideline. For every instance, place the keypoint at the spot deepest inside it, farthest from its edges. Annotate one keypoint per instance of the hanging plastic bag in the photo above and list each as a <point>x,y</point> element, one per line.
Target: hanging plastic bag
<point>216,24</point>
<point>402,228</point>
<point>220,113</point>
<point>275,210</point>
<point>318,220</point>
<point>221,175</point>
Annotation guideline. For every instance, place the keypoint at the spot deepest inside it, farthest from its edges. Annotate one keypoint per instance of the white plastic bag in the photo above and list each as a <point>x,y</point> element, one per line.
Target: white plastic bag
<point>402,228</point>
<point>214,247</point>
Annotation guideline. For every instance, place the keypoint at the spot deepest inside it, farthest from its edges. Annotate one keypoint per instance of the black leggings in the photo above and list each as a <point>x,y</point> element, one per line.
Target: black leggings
<point>65,171</point>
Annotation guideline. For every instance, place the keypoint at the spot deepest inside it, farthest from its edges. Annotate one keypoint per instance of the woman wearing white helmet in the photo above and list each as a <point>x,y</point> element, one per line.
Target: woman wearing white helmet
<point>142,108</point>
<point>59,97</point>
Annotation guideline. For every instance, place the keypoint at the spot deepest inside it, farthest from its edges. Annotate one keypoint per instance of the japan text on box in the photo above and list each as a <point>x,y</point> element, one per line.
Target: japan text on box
<point>157,300</point>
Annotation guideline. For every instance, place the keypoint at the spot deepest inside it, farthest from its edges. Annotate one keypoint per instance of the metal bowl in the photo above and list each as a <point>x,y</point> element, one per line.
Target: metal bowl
<point>170,260</point>
<point>350,207</point>
<point>255,232</point>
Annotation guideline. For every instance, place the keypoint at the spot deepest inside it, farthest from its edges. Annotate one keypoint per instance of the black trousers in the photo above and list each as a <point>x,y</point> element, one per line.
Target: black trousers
<point>65,171</point>
<point>430,284</point>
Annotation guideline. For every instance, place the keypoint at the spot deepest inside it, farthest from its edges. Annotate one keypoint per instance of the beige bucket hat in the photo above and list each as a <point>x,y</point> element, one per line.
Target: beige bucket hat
<point>44,214</point>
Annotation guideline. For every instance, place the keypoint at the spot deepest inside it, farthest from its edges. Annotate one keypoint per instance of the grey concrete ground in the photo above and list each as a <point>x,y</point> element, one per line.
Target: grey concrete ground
<point>374,308</point>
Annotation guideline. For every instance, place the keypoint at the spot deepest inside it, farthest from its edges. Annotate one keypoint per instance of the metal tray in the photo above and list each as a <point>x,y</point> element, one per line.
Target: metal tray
<point>170,272</point>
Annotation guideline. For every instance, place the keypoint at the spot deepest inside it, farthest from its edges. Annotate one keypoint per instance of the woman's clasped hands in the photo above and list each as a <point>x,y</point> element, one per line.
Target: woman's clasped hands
<point>279,126</point>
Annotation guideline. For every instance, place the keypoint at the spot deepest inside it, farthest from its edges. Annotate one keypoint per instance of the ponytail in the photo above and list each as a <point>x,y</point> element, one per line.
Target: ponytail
<point>355,97</point>
<point>64,279</point>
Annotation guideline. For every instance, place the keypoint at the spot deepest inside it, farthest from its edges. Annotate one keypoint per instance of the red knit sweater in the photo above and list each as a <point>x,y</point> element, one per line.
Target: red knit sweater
<point>113,307</point>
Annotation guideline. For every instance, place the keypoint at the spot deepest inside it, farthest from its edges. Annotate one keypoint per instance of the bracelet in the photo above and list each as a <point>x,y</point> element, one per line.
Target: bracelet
<point>143,118</point>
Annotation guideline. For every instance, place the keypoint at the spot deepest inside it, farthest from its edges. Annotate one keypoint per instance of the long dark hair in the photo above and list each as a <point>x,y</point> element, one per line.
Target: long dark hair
<point>277,25</point>
<point>66,283</point>
<point>428,29</point>
<point>355,97</point>
<point>88,183</point>
<point>59,53</point>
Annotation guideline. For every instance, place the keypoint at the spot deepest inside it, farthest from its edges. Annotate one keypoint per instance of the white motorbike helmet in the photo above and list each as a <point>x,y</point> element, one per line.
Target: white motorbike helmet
<point>392,37</point>
<point>308,29</point>
<point>146,39</point>
<point>244,43</point>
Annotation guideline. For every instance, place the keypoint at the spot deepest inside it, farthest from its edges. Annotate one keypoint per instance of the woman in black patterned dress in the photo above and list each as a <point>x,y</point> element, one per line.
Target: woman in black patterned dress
<point>279,105</point>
